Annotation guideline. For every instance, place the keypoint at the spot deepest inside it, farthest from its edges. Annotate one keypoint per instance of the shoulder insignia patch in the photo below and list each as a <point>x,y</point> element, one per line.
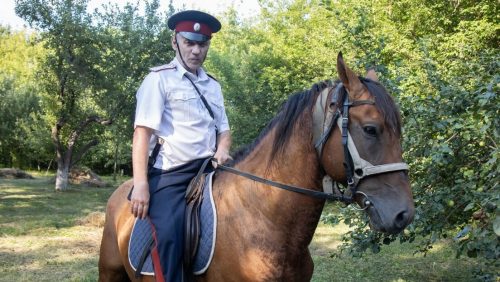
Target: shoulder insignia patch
<point>209,75</point>
<point>163,67</point>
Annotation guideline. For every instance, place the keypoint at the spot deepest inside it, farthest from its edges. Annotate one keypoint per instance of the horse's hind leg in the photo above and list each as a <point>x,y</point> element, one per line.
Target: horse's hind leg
<point>110,263</point>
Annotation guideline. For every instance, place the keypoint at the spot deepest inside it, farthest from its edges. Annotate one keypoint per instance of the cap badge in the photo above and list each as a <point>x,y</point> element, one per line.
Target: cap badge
<point>196,27</point>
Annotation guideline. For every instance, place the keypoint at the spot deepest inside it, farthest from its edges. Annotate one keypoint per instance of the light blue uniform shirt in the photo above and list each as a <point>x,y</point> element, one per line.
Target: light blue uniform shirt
<point>168,103</point>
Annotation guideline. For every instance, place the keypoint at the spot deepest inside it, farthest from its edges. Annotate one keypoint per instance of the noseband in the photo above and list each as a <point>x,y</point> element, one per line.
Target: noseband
<point>356,168</point>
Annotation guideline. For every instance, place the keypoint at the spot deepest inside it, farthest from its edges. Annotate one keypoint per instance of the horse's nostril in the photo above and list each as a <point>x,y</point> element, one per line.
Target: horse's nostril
<point>402,219</point>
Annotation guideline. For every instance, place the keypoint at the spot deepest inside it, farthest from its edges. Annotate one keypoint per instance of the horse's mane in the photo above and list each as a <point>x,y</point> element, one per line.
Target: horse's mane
<point>284,121</point>
<point>292,109</point>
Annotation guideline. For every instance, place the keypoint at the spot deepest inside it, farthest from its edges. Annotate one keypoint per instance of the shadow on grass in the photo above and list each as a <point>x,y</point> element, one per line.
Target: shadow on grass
<point>29,205</point>
<point>47,235</point>
<point>46,264</point>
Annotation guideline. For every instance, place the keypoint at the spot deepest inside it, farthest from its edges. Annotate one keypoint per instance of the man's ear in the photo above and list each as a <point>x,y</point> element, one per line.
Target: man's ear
<point>174,42</point>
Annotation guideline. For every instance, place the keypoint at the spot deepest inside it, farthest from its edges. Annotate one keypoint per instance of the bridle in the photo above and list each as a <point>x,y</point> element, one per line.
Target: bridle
<point>324,122</point>
<point>356,168</point>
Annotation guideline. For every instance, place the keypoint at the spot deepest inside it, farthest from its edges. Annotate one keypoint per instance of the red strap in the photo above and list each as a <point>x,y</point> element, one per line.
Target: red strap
<point>156,258</point>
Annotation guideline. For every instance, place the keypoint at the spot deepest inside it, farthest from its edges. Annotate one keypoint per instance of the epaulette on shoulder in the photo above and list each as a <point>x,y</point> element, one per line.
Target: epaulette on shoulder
<point>209,75</point>
<point>163,67</point>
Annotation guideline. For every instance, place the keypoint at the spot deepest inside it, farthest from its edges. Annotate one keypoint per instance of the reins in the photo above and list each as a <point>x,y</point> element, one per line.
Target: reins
<point>311,193</point>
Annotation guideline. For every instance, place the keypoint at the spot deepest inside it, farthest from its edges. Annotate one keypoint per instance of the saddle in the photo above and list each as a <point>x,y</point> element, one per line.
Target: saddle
<point>192,225</point>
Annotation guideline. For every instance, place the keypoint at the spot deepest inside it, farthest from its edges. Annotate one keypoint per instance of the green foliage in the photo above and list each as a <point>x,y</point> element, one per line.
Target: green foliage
<point>24,138</point>
<point>93,68</point>
<point>133,43</point>
<point>261,64</point>
<point>448,85</point>
<point>74,81</point>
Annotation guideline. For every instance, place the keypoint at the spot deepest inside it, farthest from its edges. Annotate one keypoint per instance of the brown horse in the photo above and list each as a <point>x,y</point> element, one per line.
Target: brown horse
<point>263,233</point>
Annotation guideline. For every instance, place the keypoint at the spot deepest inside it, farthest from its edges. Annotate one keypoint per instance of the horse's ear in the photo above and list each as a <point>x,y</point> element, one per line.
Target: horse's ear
<point>371,74</point>
<point>349,79</point>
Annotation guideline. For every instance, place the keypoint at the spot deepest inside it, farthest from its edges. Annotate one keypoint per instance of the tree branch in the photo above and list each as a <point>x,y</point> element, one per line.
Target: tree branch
<point>81,127</point>
<point>83,150</point>
<point>76,134</point>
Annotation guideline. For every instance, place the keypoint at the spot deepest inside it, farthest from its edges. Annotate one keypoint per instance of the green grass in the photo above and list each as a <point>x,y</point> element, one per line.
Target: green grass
<point>395,262</point>
<point>47,235</point>
<point>55,236</point>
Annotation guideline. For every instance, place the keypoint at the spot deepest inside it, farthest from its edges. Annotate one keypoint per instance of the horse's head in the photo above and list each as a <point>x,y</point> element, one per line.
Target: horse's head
<point>373,168</point>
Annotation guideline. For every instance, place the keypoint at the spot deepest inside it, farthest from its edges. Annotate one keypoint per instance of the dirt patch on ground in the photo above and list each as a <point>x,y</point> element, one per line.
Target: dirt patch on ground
<point>14,173</point>
<point>85,177</point>
<point>95,219</point>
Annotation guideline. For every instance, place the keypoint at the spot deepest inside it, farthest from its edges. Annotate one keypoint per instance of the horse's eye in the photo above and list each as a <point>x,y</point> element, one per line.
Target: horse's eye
<point>370,130</point>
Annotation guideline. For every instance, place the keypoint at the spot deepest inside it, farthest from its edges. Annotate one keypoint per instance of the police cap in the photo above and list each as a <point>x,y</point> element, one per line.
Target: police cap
<point>194,25</point>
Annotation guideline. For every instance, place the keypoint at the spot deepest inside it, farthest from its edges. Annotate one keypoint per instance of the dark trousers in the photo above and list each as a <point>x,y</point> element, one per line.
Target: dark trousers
<point>167,207</point>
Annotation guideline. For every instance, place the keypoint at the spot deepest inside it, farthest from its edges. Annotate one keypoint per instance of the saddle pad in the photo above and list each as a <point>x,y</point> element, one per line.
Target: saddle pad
<point>141,233</point>
<point>208,225</point>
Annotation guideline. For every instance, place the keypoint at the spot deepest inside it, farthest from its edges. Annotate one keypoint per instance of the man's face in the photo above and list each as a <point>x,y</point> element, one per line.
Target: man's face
<point>193,52</point>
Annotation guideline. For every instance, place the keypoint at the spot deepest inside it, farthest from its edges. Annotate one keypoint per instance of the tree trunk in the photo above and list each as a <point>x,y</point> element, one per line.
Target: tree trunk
<point>66,158</point>
<point>115,165</point>
<point>62,176</point>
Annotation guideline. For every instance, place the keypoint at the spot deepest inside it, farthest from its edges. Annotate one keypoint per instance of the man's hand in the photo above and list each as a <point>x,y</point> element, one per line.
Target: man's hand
<point>223,145</point>
<point>221,156</point>
<point>139,200</point>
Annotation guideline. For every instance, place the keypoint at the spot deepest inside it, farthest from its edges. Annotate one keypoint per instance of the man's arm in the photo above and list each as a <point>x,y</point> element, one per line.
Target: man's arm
<point>140,154</point>
<point>223,146</point>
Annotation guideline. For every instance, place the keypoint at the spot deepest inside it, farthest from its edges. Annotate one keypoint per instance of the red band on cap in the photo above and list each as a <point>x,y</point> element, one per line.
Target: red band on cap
<point>196,27</point>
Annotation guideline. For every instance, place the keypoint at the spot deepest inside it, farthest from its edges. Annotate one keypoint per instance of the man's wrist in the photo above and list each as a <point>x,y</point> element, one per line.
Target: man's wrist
<point>140,183</point>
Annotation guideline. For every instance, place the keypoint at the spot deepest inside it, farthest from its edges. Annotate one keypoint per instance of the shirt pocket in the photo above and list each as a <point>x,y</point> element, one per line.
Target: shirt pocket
<point>185,106</point>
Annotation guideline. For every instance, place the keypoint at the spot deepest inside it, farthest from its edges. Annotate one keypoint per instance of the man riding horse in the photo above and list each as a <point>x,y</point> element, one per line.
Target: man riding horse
<point>347,130</point>
<point>180,121</point>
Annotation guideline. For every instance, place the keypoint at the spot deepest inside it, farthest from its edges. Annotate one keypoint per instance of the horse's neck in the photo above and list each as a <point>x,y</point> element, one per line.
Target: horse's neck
<point>290,211</point>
